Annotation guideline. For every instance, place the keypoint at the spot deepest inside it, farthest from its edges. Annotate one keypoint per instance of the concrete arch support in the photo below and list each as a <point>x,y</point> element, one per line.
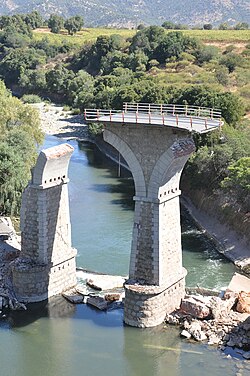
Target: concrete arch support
<point>130,158</point>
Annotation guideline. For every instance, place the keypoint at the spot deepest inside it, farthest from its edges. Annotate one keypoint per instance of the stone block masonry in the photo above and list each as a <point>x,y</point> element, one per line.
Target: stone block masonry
<point>156,157</point>
<point>46,265</point>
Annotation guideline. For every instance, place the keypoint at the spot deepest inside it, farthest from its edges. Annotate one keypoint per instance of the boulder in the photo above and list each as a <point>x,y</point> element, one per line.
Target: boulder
<point>243,304</point>
<point>194,307</point>
<point>72,296</point>
<point>237,284</point>
<point>105,282</point>
<point>98,302</point>
<point>196,331</point>
<point>185,334</point>
<point>111,297</point>
<point>221,308</point>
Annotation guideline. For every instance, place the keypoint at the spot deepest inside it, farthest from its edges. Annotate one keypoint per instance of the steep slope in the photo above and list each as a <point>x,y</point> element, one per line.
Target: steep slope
<point>133,12</point>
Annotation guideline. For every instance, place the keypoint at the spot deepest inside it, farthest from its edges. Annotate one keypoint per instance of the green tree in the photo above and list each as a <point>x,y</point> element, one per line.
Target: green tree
<point>168,25</point>
<point>18,60</point>
<point>207,26</point>
<point>34,20</point>
<point>73,24</point>
<point>241,26</point>
<point>172,45</point>
<point>55,23</point>
<point>147,40</point>
<point>238,181</point>
<point>19,134</point>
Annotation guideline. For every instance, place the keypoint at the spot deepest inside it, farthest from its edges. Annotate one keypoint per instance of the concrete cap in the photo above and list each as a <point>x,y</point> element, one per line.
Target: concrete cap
<point>52,166</point>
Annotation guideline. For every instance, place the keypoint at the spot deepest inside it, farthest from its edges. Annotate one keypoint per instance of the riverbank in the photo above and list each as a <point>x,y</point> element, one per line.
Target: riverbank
<point>55,121</point>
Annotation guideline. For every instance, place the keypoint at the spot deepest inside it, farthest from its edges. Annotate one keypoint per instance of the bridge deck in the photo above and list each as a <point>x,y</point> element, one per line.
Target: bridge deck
<point>192,119</point>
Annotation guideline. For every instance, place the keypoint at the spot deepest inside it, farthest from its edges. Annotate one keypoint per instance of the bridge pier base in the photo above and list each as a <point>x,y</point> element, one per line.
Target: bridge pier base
<point>147,306</point>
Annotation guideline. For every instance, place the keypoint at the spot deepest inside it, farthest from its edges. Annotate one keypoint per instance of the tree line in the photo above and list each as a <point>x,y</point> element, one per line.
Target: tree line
<point>24,23</point>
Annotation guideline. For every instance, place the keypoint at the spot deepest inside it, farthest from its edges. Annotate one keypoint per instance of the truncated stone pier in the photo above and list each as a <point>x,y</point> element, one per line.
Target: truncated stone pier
<point>46,265</point>
<point>156,142</point>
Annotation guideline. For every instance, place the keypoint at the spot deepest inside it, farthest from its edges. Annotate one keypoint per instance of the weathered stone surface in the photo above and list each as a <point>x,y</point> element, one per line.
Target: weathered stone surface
<point>72,296</point>
<point>185,334</point>
<point>97,302</point>
<point>196,331</point>
<point>246,355</point>
<point>111,297</point>
<point>238,283</point>
<point>243,304</point>
<point>194,307</point>
<point>221,308</point>
<point>105,282</point>
<point>46,264</point>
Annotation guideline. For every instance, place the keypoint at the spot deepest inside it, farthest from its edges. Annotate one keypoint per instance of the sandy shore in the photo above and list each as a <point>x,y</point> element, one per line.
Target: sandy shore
<point>55,121</point>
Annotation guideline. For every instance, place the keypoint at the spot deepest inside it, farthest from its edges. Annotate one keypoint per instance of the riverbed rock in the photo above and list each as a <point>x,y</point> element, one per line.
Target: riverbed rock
<point>243,304</point>
<point>111,297</point>
<point>185,334</point>
<point>194,307</point>
<point>73,296</point>
<point>98,302</point>
<point>196,332</point>
<point>105,282</point>
<point>221,308</point>
<point>238,283</point>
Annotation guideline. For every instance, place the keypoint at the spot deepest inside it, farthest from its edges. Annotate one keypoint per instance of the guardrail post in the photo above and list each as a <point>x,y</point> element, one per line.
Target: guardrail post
<point>186,110</point>
<point>161,108</point>
<point>149,117</point>
<point>163,119</point>
<point>173,110</point>
<point>126,106</point>
<point>123,116</point>
<point>85,114</point>
<point>136,117</point>
<point>206,123</point>
<point>110,115</point>
<point>177,120</point>
<point>191,122</point>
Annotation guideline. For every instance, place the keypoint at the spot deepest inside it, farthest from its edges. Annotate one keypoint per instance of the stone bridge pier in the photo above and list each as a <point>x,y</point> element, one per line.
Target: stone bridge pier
<point>156,156</point>
<point>46,265</point>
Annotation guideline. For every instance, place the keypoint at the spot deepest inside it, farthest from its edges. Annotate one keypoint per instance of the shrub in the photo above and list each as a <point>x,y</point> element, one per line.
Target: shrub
<point>31,98</point>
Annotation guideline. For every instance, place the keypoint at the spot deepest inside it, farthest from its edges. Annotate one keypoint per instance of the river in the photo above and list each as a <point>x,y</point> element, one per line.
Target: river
<point>60,339</point>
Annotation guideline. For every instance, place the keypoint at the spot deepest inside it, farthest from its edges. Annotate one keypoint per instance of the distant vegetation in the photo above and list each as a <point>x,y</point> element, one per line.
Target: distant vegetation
<point>200,67</point>
<point>19,135</point>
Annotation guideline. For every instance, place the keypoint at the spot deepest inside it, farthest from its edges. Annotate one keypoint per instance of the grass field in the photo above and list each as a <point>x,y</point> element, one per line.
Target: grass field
<point>85,35</point>
<point>90,34</point>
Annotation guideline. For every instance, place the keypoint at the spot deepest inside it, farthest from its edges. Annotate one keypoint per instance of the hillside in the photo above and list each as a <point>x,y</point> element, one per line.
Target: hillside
<point>129,13</point>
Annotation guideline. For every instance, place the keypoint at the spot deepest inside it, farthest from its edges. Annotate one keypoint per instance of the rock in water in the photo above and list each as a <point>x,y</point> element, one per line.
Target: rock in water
<point>98,302</point>
<point>194,307</point>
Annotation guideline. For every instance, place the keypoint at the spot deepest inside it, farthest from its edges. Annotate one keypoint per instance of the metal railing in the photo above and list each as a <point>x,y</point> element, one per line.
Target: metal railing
<point>173,109</point>
<point>158,114</point>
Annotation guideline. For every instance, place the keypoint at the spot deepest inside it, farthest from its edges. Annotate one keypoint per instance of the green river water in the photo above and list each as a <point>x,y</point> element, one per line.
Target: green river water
<point>57,338</point>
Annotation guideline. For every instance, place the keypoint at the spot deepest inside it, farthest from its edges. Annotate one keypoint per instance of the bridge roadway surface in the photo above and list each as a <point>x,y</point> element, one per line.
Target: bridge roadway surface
<point>185,123</point>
